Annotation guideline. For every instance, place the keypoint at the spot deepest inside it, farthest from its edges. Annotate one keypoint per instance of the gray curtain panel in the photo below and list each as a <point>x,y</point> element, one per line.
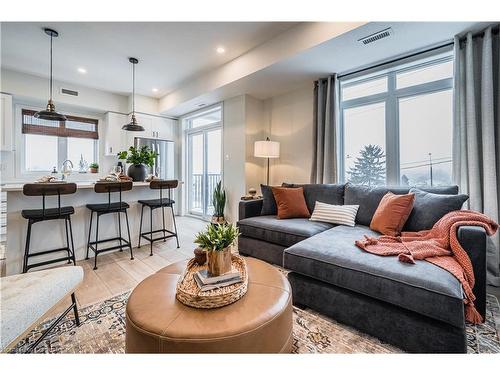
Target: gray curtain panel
<point>476,144</point>
<point>325,123</point>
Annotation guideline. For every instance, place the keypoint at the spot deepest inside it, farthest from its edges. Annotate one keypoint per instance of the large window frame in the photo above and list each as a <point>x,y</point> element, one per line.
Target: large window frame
<point>62,143</point>
<point>189,131</point>
<point>391,99</point>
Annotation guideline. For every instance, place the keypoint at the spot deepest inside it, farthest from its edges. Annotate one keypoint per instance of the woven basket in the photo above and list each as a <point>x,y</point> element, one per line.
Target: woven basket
<point>189,293</point>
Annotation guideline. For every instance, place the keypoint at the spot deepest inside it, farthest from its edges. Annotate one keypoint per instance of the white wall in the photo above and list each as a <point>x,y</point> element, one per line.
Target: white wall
<point>290,121</point>
<point>234,153</point>
<point>255,130</point>
<point>36,89</point>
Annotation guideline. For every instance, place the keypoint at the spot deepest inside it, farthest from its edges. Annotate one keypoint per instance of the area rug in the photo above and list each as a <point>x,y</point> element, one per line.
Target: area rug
<point>103,331</point>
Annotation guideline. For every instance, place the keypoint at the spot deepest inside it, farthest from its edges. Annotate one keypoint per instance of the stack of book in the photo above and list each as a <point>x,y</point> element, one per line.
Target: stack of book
<point>206,282</point>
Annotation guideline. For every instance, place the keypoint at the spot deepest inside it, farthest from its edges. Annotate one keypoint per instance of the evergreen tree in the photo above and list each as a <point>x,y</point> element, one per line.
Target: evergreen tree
<point>369,167</point>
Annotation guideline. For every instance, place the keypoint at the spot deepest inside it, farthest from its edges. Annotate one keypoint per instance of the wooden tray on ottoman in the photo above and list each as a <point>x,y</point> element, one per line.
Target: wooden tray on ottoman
<point>189,293</point>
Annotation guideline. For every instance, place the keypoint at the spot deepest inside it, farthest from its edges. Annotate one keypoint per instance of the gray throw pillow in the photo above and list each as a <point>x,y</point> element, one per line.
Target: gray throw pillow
<point>326,193</point>
<point>428,208</point>
<point>269,203</point>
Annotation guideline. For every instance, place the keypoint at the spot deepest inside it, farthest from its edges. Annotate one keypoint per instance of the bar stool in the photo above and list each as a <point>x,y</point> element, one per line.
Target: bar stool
<point>153,204</point>
<point>37,215</point>
<point>109,208</point>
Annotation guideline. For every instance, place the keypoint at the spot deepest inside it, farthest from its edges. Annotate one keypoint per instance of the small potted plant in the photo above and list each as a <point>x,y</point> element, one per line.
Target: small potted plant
<point>94,167</point>
<point>139,159</point>
<point>219,202</point>
<point>217,241</point>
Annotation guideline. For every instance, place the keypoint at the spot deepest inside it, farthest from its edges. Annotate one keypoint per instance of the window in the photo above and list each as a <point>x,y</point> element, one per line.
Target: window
<point>48,143</point>
<point>203,159</point>
<point>396,124</point>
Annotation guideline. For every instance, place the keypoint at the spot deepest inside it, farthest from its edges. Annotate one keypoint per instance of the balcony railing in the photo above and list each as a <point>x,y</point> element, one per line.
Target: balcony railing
<point>197,187</point>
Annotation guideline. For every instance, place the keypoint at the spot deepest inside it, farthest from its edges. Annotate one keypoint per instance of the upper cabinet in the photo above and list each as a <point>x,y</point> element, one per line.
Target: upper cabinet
<point>116,139</point>
<point>164,128</point>
<point>6,123</point>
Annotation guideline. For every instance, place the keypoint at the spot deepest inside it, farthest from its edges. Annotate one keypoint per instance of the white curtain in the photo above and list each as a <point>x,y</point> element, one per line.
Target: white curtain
<point>476,144</point>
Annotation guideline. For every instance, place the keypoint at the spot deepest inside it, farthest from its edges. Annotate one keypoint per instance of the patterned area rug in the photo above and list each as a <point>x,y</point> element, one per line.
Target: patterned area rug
<point>103,331</point>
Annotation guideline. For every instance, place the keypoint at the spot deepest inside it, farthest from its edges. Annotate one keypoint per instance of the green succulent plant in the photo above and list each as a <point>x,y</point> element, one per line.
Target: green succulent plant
<point>217,237</point>
<point>94,165</point>
<point>219,200</point>
<point>134,155</point>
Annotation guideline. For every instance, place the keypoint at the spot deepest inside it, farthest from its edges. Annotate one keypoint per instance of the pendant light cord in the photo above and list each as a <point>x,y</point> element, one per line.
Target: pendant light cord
<point>51,37</point>
<point>133,89</point>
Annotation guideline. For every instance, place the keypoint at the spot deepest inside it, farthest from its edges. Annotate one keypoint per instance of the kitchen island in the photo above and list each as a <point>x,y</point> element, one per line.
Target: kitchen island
<point>51,234</point>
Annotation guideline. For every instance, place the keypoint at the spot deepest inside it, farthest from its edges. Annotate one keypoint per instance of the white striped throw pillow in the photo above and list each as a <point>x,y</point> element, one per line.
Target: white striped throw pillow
<point>335,214</point>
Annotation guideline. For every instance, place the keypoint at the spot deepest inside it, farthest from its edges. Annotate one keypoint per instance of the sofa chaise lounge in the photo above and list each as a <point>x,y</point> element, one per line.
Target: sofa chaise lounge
<point>418,308</point>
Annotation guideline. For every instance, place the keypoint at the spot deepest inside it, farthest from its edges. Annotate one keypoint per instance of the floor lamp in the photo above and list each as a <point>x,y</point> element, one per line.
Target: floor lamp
<point>266,149</point>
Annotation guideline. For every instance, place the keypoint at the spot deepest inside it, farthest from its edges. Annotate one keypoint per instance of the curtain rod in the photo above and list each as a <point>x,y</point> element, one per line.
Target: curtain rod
<point>396,59</point>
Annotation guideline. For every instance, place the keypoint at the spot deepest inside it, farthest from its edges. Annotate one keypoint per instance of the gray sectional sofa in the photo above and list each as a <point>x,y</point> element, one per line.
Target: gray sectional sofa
<point>418,308</point>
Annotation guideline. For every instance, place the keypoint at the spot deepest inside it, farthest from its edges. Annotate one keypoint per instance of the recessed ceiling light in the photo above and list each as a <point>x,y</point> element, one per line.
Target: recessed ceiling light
<point>155,89</point>
<point>82,70</point>
<point>220,49</point>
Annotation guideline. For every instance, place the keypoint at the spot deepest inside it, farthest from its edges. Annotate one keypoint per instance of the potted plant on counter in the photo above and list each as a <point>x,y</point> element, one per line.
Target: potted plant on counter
<point>219,202</point>
<point>94,168</point>
<point>217,241</point>
<point>139,159</point>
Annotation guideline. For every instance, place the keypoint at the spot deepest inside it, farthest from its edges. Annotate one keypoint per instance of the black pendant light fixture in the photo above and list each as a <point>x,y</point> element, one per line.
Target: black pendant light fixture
<point>133,126</point>
<point>50,113</point>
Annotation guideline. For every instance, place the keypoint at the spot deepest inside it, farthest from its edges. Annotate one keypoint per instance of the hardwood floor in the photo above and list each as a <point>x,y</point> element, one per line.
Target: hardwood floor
<point>116,273</point>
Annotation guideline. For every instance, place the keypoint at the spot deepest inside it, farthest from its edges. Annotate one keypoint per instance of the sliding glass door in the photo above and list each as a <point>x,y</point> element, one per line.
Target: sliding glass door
<point>204,161</point>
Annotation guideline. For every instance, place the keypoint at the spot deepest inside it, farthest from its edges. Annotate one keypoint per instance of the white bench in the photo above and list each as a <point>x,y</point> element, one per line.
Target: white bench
<point>25,299</point>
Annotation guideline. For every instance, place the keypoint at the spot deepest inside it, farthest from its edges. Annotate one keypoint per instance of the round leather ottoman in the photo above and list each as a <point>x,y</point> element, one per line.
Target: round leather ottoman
<point>260,322</point>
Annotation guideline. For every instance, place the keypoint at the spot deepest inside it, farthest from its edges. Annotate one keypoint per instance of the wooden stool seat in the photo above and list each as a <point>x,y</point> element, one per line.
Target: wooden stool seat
<point>49,213</point>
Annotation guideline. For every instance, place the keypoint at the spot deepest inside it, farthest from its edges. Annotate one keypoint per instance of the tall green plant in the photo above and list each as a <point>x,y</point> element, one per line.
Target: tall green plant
<point>217,237</point>
<point>219,200</point>
<point>134,155</point>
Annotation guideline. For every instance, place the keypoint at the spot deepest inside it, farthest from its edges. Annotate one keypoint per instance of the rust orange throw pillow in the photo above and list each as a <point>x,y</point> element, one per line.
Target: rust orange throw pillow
<point>290,202</point>
<point>392,213</point>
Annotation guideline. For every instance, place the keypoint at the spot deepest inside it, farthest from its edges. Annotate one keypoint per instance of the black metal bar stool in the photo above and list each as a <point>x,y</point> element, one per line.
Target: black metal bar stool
<point>58,213</point>
<point>153,204</point>
<point>109,208</point>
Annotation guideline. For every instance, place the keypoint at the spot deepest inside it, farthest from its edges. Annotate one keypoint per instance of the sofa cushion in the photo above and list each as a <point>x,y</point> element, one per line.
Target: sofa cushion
<point>290,202</point>
<point>268,202</point>
<point>429,208</point>
<point>369,198</point>
<point>326,193</point>
<point>332,257</point>
<point>284,232</point>
<point>392,213</point>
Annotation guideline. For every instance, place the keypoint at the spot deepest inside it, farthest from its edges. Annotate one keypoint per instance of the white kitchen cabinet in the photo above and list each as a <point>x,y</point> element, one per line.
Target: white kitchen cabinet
<point>6,123</point>
<point>163,128</point>
<point>117,140</point>
<point>114,136</point>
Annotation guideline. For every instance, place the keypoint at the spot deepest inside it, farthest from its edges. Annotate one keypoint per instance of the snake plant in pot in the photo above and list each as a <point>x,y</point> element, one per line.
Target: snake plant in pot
<point>219,202</point>
<point>217,241</point>
<point>139,158</point>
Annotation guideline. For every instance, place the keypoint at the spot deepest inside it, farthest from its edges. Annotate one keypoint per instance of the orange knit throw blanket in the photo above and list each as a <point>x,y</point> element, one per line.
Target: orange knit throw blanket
<point>438,246</point>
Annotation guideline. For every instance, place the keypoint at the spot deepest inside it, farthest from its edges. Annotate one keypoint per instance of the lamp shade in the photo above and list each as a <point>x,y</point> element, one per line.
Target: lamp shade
<point>266,149</point>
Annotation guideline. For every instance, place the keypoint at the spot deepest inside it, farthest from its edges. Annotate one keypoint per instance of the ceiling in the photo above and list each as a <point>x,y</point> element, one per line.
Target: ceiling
<point>338,55</point>
<point>344,53</point>
<point>169,53</point>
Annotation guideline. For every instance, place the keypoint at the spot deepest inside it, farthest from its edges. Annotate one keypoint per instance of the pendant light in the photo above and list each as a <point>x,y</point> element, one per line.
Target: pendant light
<point>50,113</point>
<point>133,126</point>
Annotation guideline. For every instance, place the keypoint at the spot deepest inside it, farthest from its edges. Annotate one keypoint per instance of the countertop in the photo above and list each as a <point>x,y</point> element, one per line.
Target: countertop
<point>79,185</point>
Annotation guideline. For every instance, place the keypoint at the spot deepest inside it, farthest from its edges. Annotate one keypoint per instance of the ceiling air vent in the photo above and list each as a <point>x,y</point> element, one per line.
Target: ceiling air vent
<point>69,92</point>
<point>377,36</point>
